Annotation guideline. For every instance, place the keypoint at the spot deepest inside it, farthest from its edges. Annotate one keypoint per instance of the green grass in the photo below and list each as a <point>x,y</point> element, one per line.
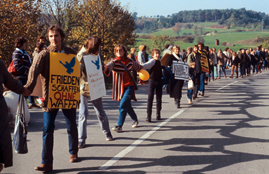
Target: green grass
<point>224,35</point>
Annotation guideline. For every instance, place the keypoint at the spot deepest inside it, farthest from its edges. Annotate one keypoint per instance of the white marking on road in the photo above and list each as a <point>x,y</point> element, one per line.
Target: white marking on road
<point>128,149</point>
<point>226,86</point>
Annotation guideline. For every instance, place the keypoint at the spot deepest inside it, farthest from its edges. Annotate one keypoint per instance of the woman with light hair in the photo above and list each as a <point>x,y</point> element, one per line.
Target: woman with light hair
<point>175,86</point>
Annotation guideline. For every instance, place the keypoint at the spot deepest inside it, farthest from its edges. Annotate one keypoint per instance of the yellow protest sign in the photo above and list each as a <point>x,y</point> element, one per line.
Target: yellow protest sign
<point>64,83</point>
<point>204,62</point>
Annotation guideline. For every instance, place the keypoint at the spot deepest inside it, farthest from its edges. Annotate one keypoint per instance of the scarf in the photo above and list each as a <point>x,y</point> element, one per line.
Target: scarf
<point>176,56</point>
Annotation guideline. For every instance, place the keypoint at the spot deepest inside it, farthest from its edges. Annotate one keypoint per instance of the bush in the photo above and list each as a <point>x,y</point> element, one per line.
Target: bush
<point>188,39</point>
<point>223,43</point>
<point>185,34</point>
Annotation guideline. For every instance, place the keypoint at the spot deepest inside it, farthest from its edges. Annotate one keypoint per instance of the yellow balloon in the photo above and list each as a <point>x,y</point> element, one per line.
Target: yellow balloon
<point>143,75</point>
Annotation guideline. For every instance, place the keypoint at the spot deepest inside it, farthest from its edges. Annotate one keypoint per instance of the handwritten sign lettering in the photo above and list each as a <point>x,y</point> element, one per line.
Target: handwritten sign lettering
<point>180,70</point>
<point>95,76</point>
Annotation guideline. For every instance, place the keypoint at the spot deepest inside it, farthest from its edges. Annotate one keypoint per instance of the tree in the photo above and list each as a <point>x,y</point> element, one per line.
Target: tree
<point>177,28</point>
<point>195,29</point>
<point>159,40</point>
<point>62,13</point>
<point>201,29</point>
<point>105,19</point>
<point>188,39</point>
<point>18,18</point>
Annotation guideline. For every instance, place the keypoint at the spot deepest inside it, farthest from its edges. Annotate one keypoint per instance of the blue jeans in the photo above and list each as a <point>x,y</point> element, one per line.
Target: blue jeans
<point>202,82</point>
<point>221,68</point>
<point>243,69</point>
<point>48,130</point>
<point>191,74</point>
<point>31,99</point>
<point>83,114</point>
<point>126,107</point>
<point>215,71</point>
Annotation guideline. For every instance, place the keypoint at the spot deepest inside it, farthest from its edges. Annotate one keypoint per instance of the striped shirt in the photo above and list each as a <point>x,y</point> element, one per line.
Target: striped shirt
<point>121,78</point>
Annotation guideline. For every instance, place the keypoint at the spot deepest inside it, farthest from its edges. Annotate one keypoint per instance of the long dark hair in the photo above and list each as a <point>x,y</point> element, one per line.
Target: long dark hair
<point>92,44</point>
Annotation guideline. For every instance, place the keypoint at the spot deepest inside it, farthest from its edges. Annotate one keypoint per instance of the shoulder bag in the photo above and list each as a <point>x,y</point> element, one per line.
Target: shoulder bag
<point>136,88</point>
<point>20,131</point>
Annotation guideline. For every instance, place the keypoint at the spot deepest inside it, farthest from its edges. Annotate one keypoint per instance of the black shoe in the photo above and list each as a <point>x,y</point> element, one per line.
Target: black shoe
<point>81,144</point>
<point>158,116</point>
<point>178,105</point>
<point>117,128</point>
<point>148,120</point>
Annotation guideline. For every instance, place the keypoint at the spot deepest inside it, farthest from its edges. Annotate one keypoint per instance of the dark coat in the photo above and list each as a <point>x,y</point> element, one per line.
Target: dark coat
<point>236,61</point>
<point>22,63</point>
<point>253,60</point>
<point>5,138</point>
<point>175,86</point>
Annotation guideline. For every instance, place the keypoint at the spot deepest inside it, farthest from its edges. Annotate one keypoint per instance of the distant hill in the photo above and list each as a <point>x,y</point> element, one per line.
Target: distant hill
<point>229,17</point>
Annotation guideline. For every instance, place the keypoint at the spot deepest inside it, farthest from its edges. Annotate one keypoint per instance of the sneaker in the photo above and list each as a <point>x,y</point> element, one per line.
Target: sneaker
<point>81,144</point>
<point>117,128</point>
<point>148,120</point>
<point>135,124</point>
<point>189,100</point>
<point>109,136</point>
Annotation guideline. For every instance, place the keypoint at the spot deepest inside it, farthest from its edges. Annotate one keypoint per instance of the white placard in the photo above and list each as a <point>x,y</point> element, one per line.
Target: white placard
<point>181,70</point>
<point>95,76</point>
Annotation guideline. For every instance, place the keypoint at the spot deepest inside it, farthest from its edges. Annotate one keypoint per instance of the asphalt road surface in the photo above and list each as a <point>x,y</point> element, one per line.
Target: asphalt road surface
<point>226,131</point>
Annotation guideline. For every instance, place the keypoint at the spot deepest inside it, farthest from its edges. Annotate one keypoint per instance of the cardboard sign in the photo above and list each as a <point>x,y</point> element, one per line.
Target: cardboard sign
<point>37,92</point>
<point>180,70</point>
<point>95,76</point>
<point>204,62</point>
<point>164,59</point>
<point>64,83</point>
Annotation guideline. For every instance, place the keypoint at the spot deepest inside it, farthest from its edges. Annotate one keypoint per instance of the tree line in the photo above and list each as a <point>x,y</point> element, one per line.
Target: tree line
<point>230,17</point>
<point>78,18</point>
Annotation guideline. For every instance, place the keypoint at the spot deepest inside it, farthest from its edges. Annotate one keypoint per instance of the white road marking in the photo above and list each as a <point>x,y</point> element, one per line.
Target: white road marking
<point>128,149</point>
<point>226,86</point>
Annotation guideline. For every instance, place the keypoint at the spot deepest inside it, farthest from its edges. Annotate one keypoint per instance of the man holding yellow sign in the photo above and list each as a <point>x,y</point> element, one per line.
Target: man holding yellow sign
<point>60,76</point>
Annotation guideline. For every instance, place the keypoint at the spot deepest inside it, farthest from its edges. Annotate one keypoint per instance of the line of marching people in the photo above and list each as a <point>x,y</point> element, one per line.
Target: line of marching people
<point>204,63</point>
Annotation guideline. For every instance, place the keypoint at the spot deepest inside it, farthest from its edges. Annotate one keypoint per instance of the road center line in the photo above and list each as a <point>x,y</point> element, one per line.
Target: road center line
<point>128,149</point>
<point>226,86</point>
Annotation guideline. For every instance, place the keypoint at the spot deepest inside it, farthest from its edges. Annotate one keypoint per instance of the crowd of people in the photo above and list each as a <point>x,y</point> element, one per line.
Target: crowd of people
<point>124,70</point>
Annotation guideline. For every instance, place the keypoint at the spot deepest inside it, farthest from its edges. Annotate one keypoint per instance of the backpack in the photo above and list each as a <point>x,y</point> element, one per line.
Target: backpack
<point>11,69</point>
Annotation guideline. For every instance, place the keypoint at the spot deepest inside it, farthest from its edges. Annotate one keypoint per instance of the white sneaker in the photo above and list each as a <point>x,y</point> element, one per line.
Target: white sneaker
<point>135,124</point>
<point>189,100</point>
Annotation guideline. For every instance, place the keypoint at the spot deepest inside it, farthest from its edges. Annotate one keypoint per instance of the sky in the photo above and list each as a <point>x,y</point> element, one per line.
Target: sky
<point>168,7</point>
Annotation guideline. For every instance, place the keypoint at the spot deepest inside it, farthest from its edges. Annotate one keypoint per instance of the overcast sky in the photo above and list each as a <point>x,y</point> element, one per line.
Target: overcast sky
<point>168,7</point>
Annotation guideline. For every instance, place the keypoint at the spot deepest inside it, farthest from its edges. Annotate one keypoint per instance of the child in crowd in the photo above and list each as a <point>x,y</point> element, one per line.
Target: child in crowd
<point>155,83</point>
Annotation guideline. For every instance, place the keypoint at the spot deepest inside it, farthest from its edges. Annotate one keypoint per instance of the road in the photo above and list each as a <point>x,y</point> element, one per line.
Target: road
<point>226,131</point>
